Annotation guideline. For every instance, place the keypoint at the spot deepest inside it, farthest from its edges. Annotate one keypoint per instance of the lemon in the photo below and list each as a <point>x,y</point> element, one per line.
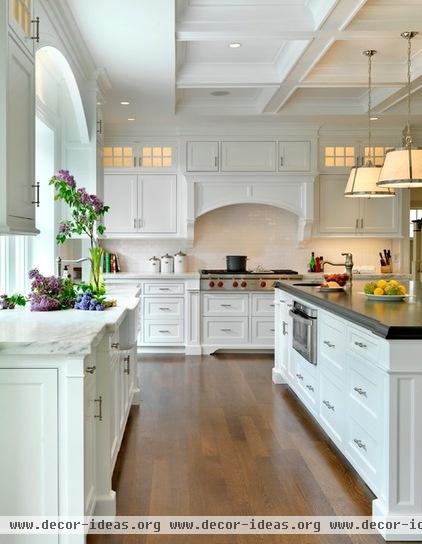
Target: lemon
<point>379,290</point>
<point>382,284</point>
<point>394,283</point>
<point>402,289</point>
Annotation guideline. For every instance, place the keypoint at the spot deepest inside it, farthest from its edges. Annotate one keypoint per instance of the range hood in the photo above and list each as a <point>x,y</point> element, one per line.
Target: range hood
<point>294,194</point>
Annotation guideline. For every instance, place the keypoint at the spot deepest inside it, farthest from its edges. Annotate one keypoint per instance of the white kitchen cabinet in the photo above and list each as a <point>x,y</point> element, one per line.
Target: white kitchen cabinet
<point>262,331</point>
<point>90,448</point>
<point>202,156</point>
<point>157,204</point>
<point>294,156</point>
<point>121,194</point>
<point>18,193</point>
<point>342,216</point>
<point>247,156</point>
<point>142,205</point>
<point>22,22</point>
<point>29,469</point>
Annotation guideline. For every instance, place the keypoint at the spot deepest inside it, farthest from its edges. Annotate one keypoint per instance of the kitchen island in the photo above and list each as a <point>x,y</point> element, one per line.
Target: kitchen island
<point>67,382</point>
<point>364,387</point>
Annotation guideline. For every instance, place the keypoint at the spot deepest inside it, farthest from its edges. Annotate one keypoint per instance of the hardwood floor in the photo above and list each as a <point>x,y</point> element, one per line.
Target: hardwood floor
<point>214,436</point>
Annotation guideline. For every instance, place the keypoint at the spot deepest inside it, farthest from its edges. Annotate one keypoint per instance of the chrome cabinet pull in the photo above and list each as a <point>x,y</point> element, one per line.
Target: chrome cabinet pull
<point>100,126</point>
<point>134,223</point>
<point>357,224</point>
<point>299,376</point>
<point>36,186</point>
<point>165,331</point>
<point>310,388</point>
<point>165,309</point>
<point>360,391</point>
<point>328,405</point>
<point>329,344</point>
<point>361,345</point>
<point>359,443</point>
<point>361,223</point>
<point>115,345</point>
<point>127,367</point>
<point>226,305</point>
<point>284,328</point>
<point>99,416</point>
<point>272,305</point>
<point>281,161</point>
<point>226,330</point>
<point>164,289</point>
<point>272,330</point>
<point>140,223</point>
<point>290,305</point>
<point>36,22</point>
<point>216,162</point>
<point>134,162</point>
<point>90,369</point>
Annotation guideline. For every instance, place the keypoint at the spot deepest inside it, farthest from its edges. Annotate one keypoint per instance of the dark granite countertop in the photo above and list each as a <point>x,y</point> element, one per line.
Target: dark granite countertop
<point>391,320</point>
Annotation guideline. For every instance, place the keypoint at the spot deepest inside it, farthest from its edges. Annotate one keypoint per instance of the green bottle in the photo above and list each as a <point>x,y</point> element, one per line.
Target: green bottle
<point>312,263</point>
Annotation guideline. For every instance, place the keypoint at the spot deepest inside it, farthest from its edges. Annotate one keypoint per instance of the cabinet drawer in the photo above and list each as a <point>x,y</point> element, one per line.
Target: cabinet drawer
<point>331,408</point>
<point>307,383</point>
<point>364,452</point>
<point>157,308</point>
<point>225,332</point>
<point>363,344</point>
<point>262,305</point>
<point>225,305</point>
<point>365,392</point>
<point>161,288</point>
<point>163,333</point>
<point>263,331</point>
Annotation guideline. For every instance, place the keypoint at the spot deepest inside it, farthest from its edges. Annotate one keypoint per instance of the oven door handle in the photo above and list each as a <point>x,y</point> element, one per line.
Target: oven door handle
<point>308,321</point>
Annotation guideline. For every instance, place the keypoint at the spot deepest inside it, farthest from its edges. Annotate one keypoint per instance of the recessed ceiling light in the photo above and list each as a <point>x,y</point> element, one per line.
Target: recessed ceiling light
<point>131,119</point>
<point>220,93</point>
<point>235,45</point>
<point>124,103</point>
<point>99,104</point>
<point>374,118</point>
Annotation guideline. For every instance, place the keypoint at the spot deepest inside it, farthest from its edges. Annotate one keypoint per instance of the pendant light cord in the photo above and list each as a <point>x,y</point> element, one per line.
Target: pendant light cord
<point>370,106</point>
<point>408,138</point>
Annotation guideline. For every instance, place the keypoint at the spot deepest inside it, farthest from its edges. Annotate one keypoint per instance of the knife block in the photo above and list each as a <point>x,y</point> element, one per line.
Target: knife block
<point>388,269</point>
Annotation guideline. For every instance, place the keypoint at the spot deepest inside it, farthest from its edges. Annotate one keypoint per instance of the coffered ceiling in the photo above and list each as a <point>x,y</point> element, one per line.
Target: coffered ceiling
<point>296,59</point>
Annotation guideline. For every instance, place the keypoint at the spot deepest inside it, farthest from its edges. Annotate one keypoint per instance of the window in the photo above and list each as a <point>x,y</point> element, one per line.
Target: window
<point>118,157</point>
<point>375,154</point>
<point>339,157</point>
<point>156,157</point>
<point>414,215</point>
<point>21,10</point>
<point>14,264</point>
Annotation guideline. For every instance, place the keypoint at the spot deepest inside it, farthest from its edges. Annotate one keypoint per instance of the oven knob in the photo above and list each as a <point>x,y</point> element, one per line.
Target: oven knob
<point>235,284</point>
<point>263,284</point>
<point>243,284</point>
<point>220,284</point>
<point>211,284</point>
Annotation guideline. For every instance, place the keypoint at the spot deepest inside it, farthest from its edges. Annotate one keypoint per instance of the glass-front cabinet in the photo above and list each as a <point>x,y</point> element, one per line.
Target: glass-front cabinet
<point>146,157</point>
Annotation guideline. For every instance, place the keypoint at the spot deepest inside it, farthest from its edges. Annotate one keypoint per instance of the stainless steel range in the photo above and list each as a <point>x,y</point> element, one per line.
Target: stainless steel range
<point>221,280</point>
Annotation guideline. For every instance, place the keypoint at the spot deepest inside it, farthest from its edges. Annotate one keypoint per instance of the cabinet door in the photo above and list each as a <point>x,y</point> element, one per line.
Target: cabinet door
<point>90,441</point>
<point>294,156</point>
<point>29,436</point>
<point>20,17</point>
<point>119,157</point>
<point>202,156</point>
<point>157,204</point>
<point>380,215</point>
<point>248,156</point>
<point>338,215</point>
<point>20,138</point>
<point>121,194</point>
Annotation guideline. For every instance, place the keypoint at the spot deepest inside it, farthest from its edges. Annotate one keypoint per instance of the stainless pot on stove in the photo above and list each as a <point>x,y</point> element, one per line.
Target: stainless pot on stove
<point>236,263</point>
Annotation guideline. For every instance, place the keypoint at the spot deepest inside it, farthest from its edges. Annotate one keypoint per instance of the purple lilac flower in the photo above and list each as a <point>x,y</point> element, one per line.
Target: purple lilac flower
<point>65,176</point>
<point>84,196</point>
<point>96,203</point>
<point>43,303</point>
<point>65,227</point>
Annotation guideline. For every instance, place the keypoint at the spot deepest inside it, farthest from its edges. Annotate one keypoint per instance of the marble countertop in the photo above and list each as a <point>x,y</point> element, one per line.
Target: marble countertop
<point>150,276</point>
<point>391,320</point>
<point>63,333</point>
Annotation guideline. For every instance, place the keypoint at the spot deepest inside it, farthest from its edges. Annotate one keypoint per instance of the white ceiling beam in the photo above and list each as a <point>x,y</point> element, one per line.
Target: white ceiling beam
<point>193,75</point>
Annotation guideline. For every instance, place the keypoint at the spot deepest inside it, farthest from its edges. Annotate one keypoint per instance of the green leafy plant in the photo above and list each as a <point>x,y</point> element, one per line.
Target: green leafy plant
<point>10,302</point>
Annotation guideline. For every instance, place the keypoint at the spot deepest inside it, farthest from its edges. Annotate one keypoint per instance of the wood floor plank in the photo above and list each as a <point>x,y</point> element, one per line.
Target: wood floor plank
<point>214,436</point>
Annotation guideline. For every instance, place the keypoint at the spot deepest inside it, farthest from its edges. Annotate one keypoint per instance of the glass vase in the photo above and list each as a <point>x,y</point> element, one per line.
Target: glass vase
<point>96,279</point>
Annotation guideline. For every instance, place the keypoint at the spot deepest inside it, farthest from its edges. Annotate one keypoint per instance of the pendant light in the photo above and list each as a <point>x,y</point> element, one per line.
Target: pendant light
<point>363,179</point>
<point>403,166</point>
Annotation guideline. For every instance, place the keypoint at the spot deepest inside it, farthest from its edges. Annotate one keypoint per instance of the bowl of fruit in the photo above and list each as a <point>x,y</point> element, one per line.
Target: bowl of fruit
<point>334,282</point>
<point>385,291</point>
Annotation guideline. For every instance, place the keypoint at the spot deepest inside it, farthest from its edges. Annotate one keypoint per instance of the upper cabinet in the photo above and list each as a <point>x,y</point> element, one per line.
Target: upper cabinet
<point>19,192</point>
<point>23,22</point>
<point>341,156</point>
<point>202,156</point>
<point>248,156</point>
<point>139,156</point>
<point>294,156</point>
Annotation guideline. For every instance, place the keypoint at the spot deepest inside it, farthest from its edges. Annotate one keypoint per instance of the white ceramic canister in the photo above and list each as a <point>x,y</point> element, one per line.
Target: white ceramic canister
<point>167,264</point>
<point>154,265</point>
<point>180,263</point>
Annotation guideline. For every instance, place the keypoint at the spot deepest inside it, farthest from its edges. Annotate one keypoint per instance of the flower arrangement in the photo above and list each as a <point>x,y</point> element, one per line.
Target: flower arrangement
<point>87,211</point>
<point>50,293</point>
<point>9,302</point>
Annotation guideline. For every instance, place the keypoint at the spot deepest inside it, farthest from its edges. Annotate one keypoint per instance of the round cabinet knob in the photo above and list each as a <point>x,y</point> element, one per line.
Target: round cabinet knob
<point>263,284</point>
<point>220,284</point>
<point>211,284</point>
<point>235,284</point>
<point>243,284</point>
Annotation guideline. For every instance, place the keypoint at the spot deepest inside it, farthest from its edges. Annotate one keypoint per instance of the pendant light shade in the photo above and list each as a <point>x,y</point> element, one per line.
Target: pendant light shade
<point>363,179</point>
<point>403,166</point>
<point>362,183</point>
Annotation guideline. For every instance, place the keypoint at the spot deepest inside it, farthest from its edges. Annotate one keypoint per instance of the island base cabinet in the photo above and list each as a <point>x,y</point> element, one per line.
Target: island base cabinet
<point>29,466</point>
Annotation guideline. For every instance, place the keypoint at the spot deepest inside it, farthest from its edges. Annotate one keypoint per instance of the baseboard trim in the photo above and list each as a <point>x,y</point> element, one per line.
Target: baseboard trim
<point>106,504</point>
<point>278,377</point>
